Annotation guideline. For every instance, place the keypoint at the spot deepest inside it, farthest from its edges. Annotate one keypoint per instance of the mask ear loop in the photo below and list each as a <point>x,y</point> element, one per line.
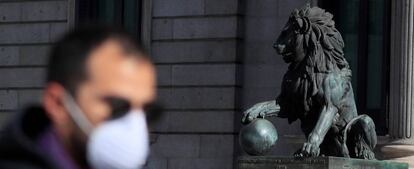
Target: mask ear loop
<point>77,114</point>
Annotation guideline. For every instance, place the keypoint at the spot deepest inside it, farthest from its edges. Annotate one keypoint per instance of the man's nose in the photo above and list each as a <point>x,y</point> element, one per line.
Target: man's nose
<point>279,48</point>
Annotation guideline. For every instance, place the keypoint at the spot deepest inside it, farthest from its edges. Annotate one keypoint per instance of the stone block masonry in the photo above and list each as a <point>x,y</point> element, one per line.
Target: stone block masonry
<point>27,30</point>
<point>195,47</point>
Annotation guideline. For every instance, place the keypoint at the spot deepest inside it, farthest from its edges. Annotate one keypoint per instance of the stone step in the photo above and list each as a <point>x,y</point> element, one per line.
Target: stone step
<point>273,162</point>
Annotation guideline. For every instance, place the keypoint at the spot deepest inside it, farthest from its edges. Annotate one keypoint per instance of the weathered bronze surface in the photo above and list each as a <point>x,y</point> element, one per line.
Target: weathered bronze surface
<point>269,162</point>
<point>317,90</point>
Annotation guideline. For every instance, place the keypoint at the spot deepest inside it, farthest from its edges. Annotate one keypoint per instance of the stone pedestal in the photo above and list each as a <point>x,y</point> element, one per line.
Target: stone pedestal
<point>272,162</point>
<point>400,153</point>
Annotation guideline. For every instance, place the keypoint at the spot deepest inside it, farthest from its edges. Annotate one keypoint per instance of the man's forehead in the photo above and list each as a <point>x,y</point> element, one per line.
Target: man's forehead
<point>109,62</point>
<point>111,71</point>
<point>109,52</point>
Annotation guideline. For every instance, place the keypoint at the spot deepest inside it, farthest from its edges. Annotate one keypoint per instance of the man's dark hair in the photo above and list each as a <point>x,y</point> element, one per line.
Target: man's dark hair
<point>68,56</point>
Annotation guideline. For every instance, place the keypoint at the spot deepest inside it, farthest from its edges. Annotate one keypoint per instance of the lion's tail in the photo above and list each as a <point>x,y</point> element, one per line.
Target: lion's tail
<point>360,137</point>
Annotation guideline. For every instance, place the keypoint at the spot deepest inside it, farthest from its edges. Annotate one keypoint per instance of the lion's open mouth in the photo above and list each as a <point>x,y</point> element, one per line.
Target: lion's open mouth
<point>287,56</point>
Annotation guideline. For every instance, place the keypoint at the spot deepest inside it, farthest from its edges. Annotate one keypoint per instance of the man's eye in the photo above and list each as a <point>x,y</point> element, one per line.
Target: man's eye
<point>119,106</point>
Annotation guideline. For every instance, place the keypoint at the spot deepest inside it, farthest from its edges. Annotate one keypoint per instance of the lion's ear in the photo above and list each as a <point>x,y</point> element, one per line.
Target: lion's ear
<point>303,25</point>
<point>300,23</point>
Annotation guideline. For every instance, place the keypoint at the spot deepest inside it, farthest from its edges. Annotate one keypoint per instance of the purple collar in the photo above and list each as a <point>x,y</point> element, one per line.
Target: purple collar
<point>49,142</point>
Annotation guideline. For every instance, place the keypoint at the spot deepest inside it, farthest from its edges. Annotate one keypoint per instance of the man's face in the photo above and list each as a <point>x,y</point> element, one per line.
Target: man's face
<point>112,73</point>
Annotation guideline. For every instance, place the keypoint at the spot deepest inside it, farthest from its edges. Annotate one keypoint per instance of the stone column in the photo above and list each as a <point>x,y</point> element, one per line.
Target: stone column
<point>401,112</point>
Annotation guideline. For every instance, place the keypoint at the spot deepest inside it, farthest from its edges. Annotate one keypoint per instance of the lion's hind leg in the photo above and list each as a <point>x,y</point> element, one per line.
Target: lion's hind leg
<point>361,138</point>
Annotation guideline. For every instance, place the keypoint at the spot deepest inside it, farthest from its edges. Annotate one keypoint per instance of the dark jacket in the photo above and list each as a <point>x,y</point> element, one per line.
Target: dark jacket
<point>18,147</point>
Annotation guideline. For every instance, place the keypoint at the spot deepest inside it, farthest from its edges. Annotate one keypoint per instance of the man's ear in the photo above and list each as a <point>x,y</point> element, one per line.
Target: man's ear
<point>53,103</point>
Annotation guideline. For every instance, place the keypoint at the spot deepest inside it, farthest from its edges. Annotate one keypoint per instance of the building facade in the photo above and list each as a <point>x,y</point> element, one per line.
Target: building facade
<point>214,59</point>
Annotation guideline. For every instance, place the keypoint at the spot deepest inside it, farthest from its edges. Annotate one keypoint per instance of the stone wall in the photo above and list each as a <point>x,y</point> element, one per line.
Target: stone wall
<point>195,47</point>
<point>27,28</point>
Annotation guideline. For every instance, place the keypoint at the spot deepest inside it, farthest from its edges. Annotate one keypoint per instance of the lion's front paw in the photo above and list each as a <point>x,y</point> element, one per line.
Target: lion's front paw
<point>259,110</point>
<point>251,114</point>
<point>308,150</point>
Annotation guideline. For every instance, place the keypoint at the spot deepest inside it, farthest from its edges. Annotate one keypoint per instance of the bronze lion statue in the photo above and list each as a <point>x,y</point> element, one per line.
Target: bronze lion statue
<point>317,90</point>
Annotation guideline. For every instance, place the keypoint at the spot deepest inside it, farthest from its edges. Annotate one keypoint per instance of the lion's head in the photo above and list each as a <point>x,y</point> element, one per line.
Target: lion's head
<point>310,36</point>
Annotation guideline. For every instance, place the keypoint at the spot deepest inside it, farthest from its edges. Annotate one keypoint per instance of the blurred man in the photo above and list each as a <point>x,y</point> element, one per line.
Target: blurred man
<point>92,110</point>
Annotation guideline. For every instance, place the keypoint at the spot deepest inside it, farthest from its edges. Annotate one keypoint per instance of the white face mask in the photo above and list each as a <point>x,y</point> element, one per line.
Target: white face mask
<point>122,143</point>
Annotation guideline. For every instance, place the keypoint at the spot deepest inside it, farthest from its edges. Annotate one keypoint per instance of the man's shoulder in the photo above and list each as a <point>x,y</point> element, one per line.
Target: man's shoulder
<point>13,157</point>
<point>15,154</point>
<point>18,148</point>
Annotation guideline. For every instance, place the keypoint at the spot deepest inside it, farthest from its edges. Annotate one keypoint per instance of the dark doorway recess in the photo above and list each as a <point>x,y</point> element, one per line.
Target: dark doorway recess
<point>365,28</point>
